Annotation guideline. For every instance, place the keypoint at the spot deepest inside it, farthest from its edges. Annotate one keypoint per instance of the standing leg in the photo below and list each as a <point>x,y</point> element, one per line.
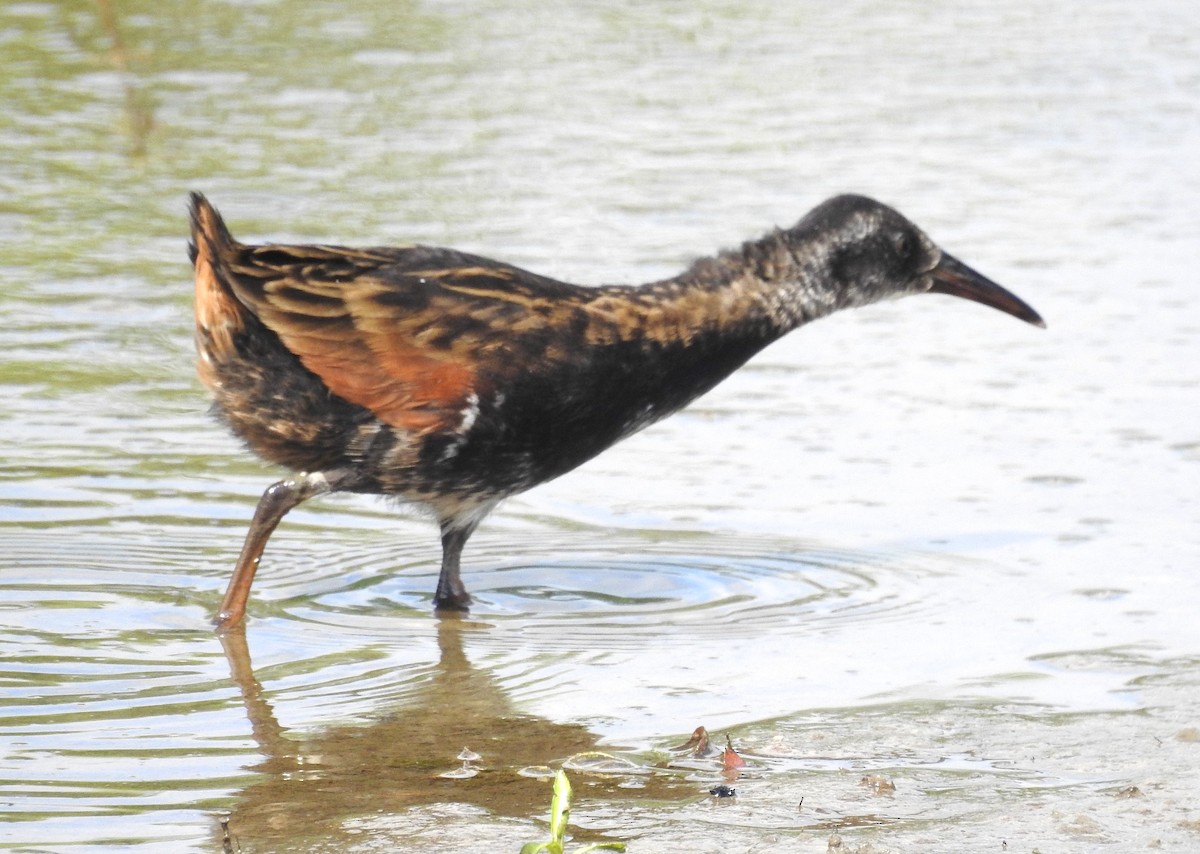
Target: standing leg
<point>274,504</point>
<point>451,595</point>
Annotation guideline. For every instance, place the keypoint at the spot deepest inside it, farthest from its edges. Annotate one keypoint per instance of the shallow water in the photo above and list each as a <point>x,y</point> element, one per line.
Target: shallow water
<point>921,541</point>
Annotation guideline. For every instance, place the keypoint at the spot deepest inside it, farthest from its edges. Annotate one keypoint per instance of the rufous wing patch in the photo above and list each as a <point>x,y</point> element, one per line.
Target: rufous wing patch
<point>436,381</point>
<point>375,365</point>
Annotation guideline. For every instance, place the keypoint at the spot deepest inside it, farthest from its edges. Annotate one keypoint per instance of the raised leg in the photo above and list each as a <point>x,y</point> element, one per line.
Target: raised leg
<point>451,595</point>
<point>273,506</point>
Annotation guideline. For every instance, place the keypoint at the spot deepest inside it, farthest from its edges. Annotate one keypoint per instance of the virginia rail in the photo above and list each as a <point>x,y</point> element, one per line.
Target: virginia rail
<point>453,381</point>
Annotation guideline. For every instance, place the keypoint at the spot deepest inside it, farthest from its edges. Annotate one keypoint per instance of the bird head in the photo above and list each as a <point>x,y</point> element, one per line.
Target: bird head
<point>865,251</point>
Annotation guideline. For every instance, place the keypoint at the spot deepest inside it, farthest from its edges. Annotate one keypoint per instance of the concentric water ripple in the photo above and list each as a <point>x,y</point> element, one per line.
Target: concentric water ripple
<point>620,586</point>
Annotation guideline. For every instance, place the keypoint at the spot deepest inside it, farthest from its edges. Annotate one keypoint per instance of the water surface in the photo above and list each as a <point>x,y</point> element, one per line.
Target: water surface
<point>920,542</point>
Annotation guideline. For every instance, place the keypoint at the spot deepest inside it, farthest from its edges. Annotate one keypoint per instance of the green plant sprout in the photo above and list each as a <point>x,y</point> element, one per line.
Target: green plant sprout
<point>560,812</point>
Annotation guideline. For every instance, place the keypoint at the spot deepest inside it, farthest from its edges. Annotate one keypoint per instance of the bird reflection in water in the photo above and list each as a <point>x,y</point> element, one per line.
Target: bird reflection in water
<point>312,786</point>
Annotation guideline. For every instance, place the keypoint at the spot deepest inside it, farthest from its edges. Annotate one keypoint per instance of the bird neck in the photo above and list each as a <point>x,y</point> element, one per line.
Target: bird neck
<point>766,287</point>
<point>683,335</point>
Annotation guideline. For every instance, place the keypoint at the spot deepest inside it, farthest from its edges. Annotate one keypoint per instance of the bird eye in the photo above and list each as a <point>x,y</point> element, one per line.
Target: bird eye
<point>903,244</point>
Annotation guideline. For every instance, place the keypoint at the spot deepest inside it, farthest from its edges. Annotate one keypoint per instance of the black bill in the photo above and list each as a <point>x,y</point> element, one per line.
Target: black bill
<point>953,277</point>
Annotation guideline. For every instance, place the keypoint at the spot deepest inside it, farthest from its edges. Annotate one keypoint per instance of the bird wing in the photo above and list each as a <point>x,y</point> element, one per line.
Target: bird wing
<point>410,333</point>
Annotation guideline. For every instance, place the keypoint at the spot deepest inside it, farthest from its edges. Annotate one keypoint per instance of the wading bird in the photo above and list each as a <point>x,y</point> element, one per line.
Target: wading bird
<point>453,381</point>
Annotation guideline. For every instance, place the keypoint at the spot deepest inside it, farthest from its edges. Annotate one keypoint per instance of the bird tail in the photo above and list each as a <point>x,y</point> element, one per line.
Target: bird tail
<point>219,315</point>
<point>209,233</point>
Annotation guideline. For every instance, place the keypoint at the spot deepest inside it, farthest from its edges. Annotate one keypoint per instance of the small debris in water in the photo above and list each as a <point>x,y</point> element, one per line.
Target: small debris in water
<point>730,759</point>
<point>698,745</point>
<point>877,783</point>
<point>1130,792</point>
<point>466,772</point>
<point>229,845</point>
<point>597,762</point>
<point>537,772</point>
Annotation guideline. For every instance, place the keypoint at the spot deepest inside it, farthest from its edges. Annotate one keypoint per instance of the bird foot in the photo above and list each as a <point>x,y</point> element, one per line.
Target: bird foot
<point>458,604</point>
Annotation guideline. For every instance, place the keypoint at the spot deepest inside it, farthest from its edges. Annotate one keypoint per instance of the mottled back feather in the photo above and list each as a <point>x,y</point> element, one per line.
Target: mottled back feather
<point>403,332</point>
